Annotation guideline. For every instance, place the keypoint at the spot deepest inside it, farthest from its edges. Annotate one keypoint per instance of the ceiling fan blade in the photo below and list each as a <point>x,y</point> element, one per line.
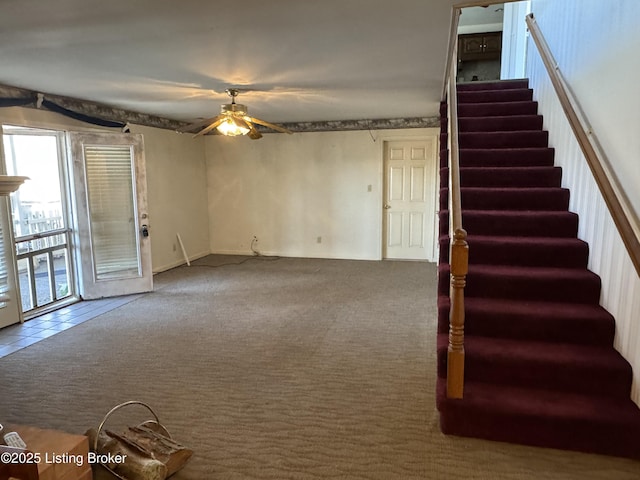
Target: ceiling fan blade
<point>254,134</point>
<point>196,125</point>
<point>269,125</point>
<point>218,121</point>
<point>241,122</point>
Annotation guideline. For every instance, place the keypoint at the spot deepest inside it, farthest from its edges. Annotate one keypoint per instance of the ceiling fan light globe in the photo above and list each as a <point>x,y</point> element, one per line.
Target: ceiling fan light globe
<point>231,129</point>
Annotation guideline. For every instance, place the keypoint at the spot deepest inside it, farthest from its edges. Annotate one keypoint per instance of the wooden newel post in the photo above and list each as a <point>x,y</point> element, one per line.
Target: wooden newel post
<point>455,354</point>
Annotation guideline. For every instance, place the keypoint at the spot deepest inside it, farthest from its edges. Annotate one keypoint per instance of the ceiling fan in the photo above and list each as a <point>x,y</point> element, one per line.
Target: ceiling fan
<point>232,121</point>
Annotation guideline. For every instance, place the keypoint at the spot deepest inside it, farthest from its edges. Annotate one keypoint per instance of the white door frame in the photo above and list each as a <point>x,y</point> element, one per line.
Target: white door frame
<point>10,307</point>
<point>408,135</point>
<point>90,284</point>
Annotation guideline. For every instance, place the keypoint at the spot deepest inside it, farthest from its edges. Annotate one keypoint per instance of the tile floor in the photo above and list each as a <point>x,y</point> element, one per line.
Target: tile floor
<point>16,337</point>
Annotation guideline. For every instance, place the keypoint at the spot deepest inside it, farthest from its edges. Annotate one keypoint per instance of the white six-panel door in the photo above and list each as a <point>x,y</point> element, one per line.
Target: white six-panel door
<point>409,200</point>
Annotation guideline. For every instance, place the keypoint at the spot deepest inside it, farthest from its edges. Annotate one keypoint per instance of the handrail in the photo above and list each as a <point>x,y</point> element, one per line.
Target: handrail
<point>624,215</point>
<point>451,51</point>
<point>458,248</point>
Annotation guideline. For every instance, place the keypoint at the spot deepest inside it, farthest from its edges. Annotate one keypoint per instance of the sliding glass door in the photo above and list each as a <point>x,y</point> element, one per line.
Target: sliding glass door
<point>78,227</point>
<point>40,214</point>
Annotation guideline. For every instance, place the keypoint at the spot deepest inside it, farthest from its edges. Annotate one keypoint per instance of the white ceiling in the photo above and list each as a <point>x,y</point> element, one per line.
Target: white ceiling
<point>301,60</point>
<point>488,15</point>
<point>481,19</point>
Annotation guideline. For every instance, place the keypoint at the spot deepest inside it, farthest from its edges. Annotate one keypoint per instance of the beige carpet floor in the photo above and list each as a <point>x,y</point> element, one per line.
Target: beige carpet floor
<point>276,369</point>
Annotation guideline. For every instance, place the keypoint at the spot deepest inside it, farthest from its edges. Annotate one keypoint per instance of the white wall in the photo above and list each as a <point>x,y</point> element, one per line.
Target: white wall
<point>514,40</point>
<point>177,196</point>
<point>176,183</point>
<point>288,190</point>
<point>595,44</point>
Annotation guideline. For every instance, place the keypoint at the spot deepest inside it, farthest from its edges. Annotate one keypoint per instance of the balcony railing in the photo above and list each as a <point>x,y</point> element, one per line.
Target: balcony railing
<point>43,268</point>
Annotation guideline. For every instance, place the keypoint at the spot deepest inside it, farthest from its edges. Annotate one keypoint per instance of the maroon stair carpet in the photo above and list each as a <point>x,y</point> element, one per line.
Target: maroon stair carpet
<point>540,365</point>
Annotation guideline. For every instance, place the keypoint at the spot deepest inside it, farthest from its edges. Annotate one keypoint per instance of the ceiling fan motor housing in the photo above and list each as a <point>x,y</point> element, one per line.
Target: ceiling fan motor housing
<point>234,108</point>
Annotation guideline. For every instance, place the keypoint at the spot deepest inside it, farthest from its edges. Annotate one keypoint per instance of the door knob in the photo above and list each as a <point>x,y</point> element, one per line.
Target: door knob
<point>387,206</point>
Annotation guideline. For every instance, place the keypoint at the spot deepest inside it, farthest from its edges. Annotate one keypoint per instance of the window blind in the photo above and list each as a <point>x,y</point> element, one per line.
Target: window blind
<point>113,222</point>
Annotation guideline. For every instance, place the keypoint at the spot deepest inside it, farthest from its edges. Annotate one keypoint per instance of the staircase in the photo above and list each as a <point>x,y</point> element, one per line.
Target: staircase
<point>540,365</point>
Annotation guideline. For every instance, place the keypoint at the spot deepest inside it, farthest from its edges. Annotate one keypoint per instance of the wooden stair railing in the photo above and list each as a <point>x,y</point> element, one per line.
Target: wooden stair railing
<point>458,247</point>
<point>622,212</point>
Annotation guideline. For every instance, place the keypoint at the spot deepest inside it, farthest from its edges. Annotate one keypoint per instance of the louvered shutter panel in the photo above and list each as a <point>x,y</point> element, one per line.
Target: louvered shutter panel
<point>109,175</point>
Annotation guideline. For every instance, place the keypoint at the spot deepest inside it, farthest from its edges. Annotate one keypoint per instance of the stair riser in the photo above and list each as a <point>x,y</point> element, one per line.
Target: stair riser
<point>501,85</point>
<point>524,139</point>
<point>505,177</point>
<point>580,289</point>
<point>529,327</point>
<point>497,109</point>
<point>529,157</point>
<point>511,199</point>
<point>500,124</point>
<point>532,254</point>
<point>550,432</point>
<point>556,376</point>
<point>493,96</point>
<point>529,256</point>
<point>560,224</point>
<point>543,177</point>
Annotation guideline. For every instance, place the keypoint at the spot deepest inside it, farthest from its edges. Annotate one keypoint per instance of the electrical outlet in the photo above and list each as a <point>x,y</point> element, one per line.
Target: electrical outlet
<point>319,240</point>
<point>174,247</point>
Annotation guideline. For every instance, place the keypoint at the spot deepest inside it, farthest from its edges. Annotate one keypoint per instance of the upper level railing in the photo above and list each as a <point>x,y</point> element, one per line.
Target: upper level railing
<point>458,248</point>
<point>623,214</point>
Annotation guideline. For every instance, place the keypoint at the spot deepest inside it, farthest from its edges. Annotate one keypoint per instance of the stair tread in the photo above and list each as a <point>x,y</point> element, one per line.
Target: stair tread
<point>532,273</point>
<point>501,189</point>
<point>554,322</point>
<point>516,240</point>
<point>503,132</point>
<point>518,169</point>
<point>493,84</point>
<point>518,213</point>
<point>507,150</point>
<point>509,350</point>
<point>520,116</point>
<point>539,309</point>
